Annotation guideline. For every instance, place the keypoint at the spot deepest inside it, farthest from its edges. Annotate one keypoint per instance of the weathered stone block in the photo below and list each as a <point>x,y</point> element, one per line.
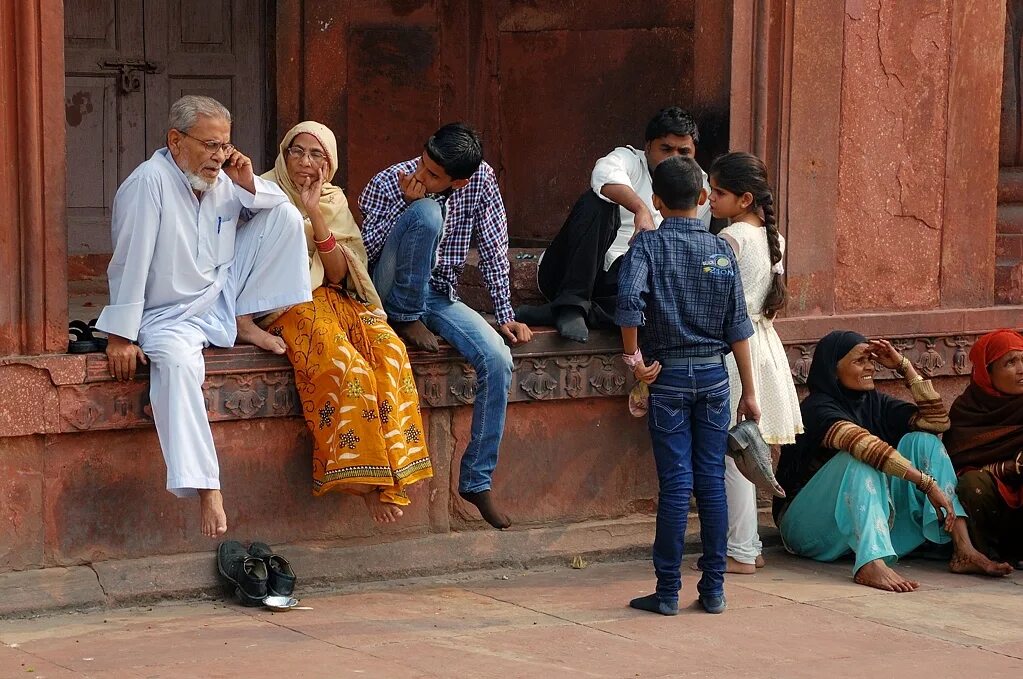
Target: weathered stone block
<point>564,461</point>
<point>21,497</point>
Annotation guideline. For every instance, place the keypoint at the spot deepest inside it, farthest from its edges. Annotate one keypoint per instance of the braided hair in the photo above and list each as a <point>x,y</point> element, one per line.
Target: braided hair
<point>741,173</point>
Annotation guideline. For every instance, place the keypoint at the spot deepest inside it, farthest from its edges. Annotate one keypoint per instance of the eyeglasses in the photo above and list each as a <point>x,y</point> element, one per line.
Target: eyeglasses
<point>316,157</point>
<point>212,146</point>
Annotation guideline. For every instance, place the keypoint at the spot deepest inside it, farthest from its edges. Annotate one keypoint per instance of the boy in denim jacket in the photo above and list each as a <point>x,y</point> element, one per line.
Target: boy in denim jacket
<point>681,285</point>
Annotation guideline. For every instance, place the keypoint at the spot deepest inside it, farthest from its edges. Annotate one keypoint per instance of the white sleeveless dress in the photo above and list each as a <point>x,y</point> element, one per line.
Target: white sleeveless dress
<point>780,419</point>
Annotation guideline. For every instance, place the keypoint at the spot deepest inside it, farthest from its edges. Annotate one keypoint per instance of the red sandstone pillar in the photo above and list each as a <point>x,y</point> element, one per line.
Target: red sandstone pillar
<point>33,239</point>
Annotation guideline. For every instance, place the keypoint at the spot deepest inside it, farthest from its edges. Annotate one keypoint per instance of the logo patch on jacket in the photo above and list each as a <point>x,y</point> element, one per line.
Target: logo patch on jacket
<point>718,265</point>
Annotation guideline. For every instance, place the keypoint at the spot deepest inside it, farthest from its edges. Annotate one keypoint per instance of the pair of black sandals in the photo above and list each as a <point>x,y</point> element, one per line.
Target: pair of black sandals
<point>83,338</point>
<point>254,574</point>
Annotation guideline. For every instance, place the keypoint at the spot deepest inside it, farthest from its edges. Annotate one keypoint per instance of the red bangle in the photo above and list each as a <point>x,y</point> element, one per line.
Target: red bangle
<point>327,245</point>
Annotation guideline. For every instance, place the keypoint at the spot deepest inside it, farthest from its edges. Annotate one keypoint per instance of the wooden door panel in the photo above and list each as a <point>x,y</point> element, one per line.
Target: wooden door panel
<point>210,47</point>
<point>91,111</point>
<point>104,127</point>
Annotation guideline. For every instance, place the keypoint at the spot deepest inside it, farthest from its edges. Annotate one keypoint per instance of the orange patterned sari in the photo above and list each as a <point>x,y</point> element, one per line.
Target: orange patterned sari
<point>358,397</point>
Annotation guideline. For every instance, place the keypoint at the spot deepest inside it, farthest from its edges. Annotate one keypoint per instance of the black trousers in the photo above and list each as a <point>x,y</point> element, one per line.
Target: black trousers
<point>572,271</point>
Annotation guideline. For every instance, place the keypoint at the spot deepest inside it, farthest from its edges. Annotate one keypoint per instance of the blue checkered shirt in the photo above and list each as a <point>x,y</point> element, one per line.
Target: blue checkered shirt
<point>473,211</point>
<point>680,284</point>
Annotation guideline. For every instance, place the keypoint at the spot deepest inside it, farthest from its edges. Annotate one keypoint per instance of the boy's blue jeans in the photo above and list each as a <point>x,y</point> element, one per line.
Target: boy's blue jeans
<point>402,279</point>
<point>688,419</point>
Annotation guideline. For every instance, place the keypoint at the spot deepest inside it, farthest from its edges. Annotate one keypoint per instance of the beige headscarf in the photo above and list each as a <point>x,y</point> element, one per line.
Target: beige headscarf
<point>334,206</point>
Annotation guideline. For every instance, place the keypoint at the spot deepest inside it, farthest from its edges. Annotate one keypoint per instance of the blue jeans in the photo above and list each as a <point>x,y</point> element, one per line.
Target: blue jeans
<point>401,277</point>
<point>688,419</point>
<point>402,272</point>
<point>485,350</point>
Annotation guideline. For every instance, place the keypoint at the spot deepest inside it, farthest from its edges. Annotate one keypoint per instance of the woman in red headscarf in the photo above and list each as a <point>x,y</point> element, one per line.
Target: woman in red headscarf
<point>985,443</point>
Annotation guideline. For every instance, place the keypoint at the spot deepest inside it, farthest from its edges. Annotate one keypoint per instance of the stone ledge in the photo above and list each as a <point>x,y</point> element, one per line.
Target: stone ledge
<point>246,383</point>
<point>331,565</point>
<point>127,581</point>
<point>49,589</point>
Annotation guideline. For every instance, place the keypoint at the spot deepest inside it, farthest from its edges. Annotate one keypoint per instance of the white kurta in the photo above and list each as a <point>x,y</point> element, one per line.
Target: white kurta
<point>627,166</point>
<point>182,269</point>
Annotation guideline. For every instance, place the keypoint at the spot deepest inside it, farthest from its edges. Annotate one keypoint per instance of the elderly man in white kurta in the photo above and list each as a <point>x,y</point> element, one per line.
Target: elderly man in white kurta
<point>185,274</point>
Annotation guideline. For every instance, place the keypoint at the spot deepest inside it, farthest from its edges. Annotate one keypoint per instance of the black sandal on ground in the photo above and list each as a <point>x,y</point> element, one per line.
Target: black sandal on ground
<point>82,338</point>
<point>281,576</point>
<point>246,574</point>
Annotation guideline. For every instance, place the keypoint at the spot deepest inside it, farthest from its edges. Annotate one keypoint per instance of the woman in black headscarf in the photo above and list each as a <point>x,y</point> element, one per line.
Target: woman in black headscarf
<point>869,476</point>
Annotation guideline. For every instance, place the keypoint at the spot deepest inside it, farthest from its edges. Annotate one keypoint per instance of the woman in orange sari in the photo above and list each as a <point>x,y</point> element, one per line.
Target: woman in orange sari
<point>352,372</point>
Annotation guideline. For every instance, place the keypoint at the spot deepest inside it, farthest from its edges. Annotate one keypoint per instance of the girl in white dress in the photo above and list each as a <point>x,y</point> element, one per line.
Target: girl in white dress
<point>741,194</point>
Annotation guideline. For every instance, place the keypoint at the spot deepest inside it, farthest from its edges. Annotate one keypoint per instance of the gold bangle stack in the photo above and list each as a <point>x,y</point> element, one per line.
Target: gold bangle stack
<point>926,483</point>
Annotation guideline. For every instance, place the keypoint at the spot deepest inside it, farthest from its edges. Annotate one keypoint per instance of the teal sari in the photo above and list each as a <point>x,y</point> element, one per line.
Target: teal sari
<point>850,507</point>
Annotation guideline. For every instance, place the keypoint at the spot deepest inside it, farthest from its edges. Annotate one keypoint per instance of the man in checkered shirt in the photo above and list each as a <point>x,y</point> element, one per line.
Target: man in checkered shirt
<point>419,218</point>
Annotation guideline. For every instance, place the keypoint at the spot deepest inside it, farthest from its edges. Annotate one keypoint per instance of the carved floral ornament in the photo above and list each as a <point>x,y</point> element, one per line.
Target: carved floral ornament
<point>947,356</point>
<point>450,383</point>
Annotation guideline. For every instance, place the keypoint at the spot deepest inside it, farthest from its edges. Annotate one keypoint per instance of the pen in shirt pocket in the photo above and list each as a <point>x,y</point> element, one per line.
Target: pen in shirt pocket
<point>219,221</point>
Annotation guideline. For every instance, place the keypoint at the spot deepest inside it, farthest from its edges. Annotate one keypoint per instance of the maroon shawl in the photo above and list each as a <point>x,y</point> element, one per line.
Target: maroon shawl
<point>987,426</point>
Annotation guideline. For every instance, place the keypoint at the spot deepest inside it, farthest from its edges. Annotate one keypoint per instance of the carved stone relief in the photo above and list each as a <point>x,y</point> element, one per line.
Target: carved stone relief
<point>247,393</point>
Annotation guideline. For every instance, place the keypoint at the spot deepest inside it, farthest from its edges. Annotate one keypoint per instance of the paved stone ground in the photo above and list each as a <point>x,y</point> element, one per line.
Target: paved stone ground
<point>793,619</point>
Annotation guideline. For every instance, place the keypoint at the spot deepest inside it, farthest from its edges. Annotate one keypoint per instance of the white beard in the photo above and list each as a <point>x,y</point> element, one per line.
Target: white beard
<point>198,183</point>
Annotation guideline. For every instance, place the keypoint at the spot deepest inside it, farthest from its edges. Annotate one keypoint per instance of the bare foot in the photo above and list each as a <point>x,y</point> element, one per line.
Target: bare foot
<point>250,333</point>
<point>967,560</point>
<point>878,575</point>
<point>760,561</point>
<point>417,335</point>
<point>211,511</point>
<point>732,566</point>
<point>971,562</point>
<point>382,512</point>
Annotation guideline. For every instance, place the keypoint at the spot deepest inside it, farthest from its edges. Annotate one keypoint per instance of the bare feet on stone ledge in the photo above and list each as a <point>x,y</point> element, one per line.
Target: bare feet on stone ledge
<point>211,513</point>
<point>417,335</point>
<point>250,333</point>
<point>382,512</point>
<point>878,575</point>
<point>484,501</point>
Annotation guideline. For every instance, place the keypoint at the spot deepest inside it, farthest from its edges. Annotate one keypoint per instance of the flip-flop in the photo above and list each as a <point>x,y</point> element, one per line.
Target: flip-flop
<point>281,576</point>
<point>752,456</point>
<point>82,340</point>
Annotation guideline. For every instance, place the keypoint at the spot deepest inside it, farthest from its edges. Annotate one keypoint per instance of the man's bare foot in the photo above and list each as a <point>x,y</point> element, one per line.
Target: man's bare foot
<point>971,562</point>
<point>250,333</point>
<point>760,561</point>
<point>382,512</point>
<point>732,566</point>
<point>211,512</point>
<point>878,575</point>
<point>416,334</point>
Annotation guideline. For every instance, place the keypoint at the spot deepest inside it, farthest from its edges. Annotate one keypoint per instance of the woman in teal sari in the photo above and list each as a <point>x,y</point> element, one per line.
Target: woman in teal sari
<point>869,476</point>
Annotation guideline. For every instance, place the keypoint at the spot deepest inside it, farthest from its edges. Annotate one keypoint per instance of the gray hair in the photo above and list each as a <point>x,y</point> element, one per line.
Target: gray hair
<point>184,113</point>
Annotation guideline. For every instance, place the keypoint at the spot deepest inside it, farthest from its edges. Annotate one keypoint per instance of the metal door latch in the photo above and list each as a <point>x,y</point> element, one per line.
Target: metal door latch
<point>131,71</point>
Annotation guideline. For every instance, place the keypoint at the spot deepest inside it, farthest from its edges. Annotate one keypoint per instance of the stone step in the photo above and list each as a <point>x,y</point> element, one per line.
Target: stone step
<point>1010,185</point>
<point>1009,218</point>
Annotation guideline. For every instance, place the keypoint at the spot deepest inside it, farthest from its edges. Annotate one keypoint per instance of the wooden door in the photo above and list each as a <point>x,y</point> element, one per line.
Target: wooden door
<point>117,116</point>
<point>105,131</point>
